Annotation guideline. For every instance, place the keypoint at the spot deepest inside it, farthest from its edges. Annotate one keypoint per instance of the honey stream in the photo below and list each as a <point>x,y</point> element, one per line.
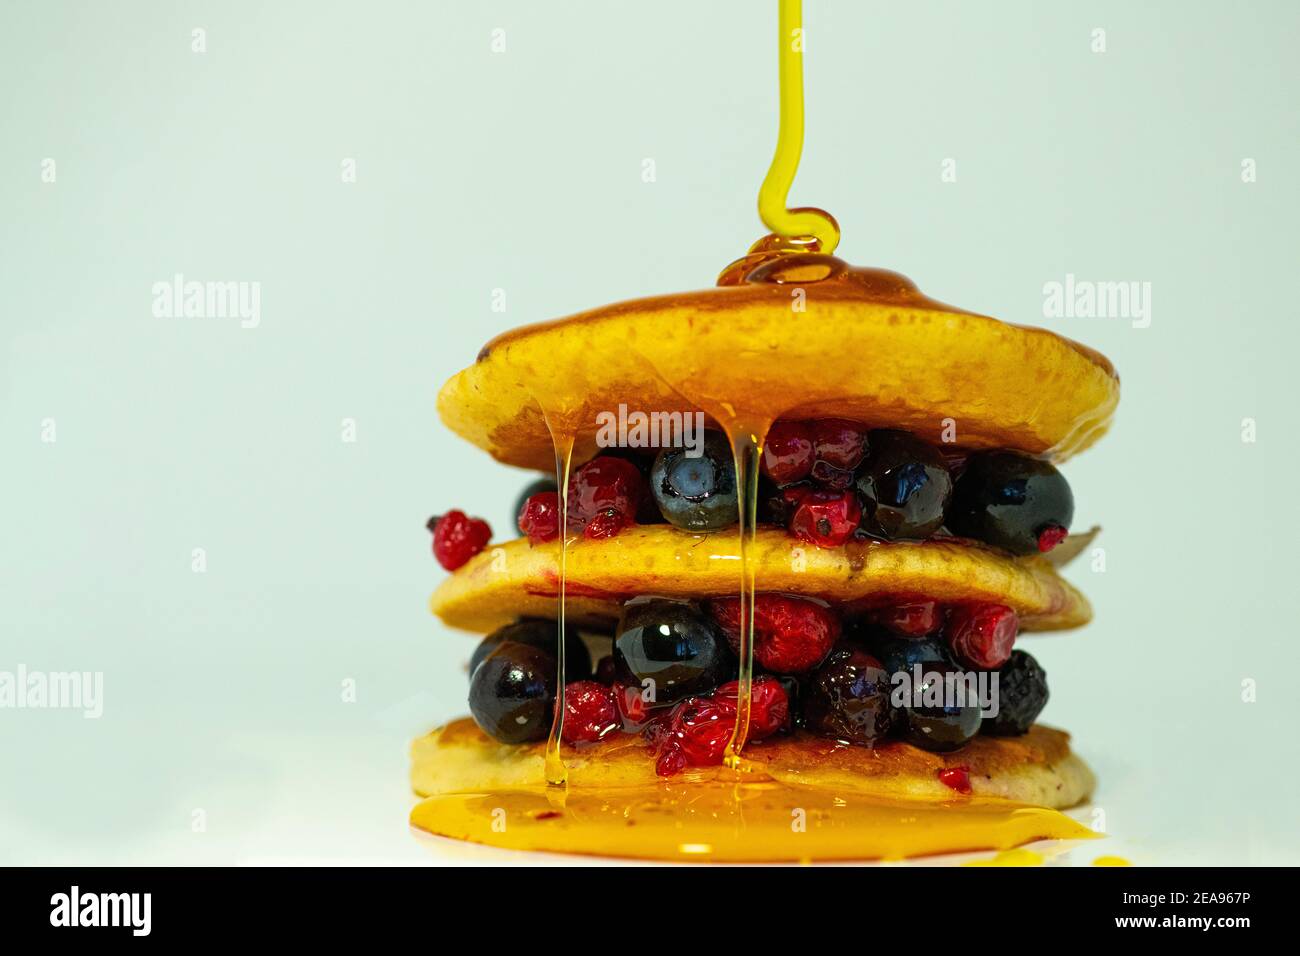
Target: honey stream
<point>563,439</point>
<point>774,193</point>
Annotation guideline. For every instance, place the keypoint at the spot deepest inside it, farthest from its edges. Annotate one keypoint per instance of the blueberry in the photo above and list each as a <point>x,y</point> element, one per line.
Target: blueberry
<point>847,697</point>
<point>534,488</point>
<point>952,717</point>
<point>1022,695</point>
<point>1011,501</point>
<point>512,693</point>
<point>539,633</point>
<point>673,644</point>
<point>902,653</point>
<point>904,486</point>
<point>697,494</point>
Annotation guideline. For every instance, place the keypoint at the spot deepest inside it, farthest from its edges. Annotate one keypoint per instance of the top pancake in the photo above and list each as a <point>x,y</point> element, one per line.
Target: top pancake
<point>861,344</point>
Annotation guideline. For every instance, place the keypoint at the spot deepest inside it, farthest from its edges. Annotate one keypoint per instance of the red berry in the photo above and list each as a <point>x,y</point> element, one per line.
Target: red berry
<point>606,524</point>
<point>839,443</point>
<point>914,619</point>
<point>791,497</point>
<point>590,711</point>
<point>540,517</point>
<point>769,704</point>
<point>788,452</point>
<point>457,538</point>
<point>602,485</point>
<point>982,635</point>
<point>632,707</point>
<point>1050,536</point>
<point>791,635</point>
<point>958,778</point>
<point>825,518</point>
<point>669,760</point>
<point>696,734</point>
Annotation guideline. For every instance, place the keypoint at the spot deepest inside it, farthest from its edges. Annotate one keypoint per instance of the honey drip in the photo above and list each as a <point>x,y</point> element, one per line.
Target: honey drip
<point>556,774</point>
<point>747,450</point>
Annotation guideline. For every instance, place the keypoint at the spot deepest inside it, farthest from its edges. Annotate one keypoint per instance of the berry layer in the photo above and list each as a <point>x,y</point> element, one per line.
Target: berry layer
<point>518,579</point>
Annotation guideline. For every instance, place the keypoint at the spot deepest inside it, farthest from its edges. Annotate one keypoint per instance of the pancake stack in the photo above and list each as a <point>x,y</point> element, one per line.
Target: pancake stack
<point>908,518</point>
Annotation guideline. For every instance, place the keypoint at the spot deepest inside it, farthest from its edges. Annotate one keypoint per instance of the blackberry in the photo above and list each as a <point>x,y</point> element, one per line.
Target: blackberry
<point>1022,695</point>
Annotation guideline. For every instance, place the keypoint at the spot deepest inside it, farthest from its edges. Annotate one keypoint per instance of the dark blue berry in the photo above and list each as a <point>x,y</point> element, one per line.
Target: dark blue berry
<point>1011,501</point>
<point>902,653</point>
<point>673,644</point>
<point>904,486</point>
<point>951,722</point>
<point>847,697</point>
<point>541,634</point>
<point>512,693</point>
<point>1022,695</point>
<point>697,494</point>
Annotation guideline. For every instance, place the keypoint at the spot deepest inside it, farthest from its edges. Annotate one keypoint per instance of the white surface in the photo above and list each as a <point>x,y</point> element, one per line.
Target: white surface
<point>223,689</point>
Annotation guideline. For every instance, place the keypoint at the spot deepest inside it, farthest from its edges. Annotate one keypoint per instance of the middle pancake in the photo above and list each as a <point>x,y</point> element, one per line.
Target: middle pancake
<point>518,579</point>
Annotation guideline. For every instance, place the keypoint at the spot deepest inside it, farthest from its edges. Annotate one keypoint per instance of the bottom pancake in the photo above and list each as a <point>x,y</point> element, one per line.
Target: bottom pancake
<point>1037,768</point>
<point>800,798</point>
